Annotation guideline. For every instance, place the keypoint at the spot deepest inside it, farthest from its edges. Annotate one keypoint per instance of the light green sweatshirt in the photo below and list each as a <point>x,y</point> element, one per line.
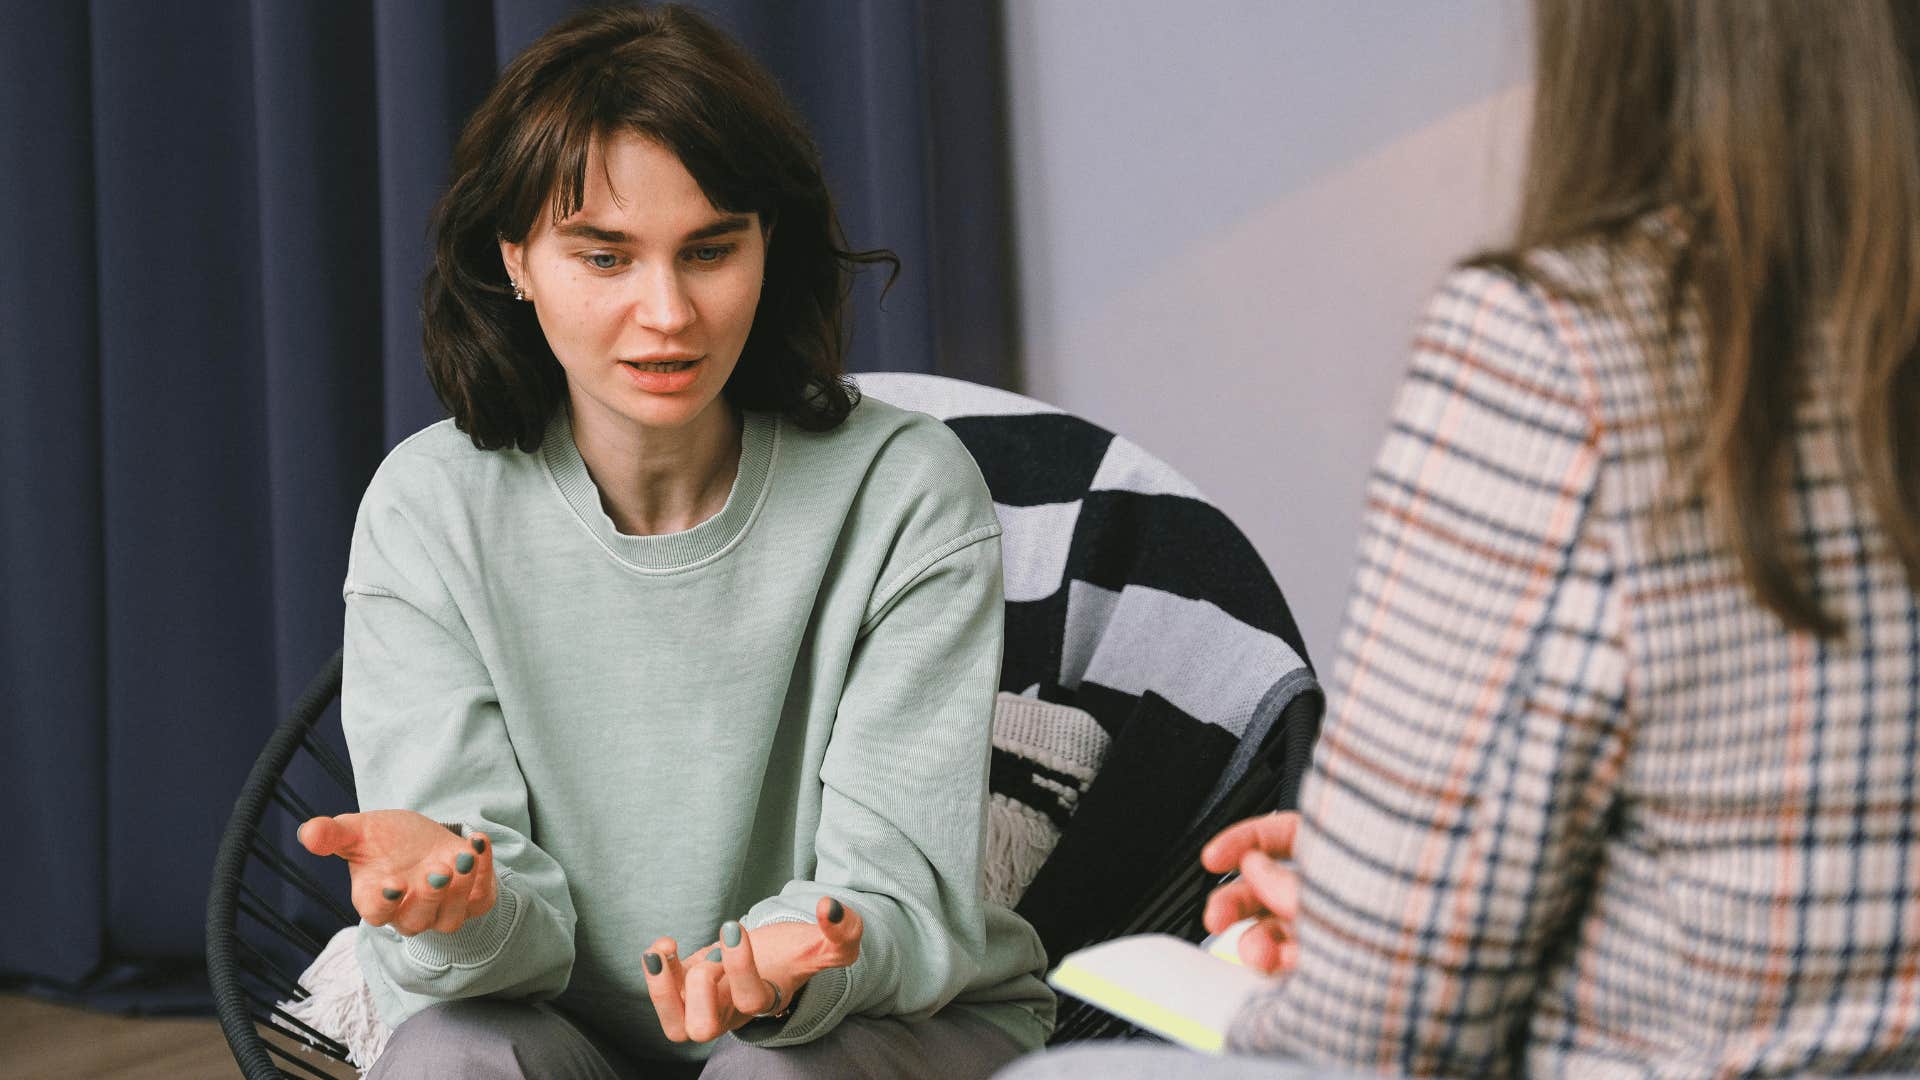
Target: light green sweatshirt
<point>660,733</point>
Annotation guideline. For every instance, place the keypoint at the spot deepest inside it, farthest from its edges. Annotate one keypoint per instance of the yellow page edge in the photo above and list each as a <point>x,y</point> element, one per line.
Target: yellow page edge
<point>1132,1007</point>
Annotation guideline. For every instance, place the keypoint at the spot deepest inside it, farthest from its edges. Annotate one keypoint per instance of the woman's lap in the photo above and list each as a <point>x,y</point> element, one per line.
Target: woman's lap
<point>510,1040</point>
<point>948,1046</point>
<point>481,1039</point>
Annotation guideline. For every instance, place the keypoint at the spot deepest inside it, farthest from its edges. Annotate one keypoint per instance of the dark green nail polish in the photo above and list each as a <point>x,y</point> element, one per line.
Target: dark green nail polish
<point>438,881</point>
<point>463,862</point>
<point>835,912</point>
<point>392,894</point>
<point>714,956</point>
<point>480,844</point>
<point>730,933</point>
<point>653,963</point>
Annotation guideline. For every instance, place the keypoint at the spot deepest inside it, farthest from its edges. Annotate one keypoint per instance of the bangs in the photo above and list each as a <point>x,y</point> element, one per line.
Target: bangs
<point>724,149</point>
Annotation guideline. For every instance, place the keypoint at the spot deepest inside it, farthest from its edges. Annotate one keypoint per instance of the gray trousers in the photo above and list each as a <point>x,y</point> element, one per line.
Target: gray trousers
<point>1158,1061</point>
<point>510,1040</point>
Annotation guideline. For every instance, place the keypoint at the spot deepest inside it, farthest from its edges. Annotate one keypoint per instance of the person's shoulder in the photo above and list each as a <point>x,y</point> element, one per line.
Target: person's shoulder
<point>1555,290</point>
<point>1482,299</point>
<point>1510,334</point>
<point>435,465</point>
<point>908,466</point>
<point>881,437</point>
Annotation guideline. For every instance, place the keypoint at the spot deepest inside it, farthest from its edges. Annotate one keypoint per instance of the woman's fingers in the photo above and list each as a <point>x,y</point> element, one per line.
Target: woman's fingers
<point>750,991</point>
<point>1270,833</point>
<point>426,896</point>
<point>483,890</point>
<point>1268,947</point>
<point>1274,890</point>
<point>329,835</point>
<point>409,871</point>
<point>842,928</point>
<point>664,988</point>
<point>1274,885</point>
<point>1230,903</point>
<point>453,900</point>
<point>377,898</point>
<point>709,1008</point>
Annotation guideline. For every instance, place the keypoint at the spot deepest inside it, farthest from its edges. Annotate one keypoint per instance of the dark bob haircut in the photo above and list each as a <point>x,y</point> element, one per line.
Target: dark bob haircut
<point>669,75</point>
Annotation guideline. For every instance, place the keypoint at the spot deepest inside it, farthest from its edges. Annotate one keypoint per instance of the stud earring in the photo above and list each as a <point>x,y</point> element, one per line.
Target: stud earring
<point>518,292</point>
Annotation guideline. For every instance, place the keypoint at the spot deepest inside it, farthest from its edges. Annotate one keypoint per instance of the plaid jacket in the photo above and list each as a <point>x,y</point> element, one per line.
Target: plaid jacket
<point>1582,807</point>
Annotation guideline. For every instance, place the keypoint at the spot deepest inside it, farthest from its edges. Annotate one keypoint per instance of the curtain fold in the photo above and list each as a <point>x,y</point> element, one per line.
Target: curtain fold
<point>52,585</point>
<point>210,338</point>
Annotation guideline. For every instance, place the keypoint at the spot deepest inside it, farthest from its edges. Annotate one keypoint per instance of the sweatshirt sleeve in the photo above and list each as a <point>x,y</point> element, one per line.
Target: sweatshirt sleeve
<point>426,733</point>
<point>903,816</point>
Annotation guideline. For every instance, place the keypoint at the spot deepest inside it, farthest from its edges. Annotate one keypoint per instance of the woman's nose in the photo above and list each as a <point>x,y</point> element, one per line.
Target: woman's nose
<point>661,302</point>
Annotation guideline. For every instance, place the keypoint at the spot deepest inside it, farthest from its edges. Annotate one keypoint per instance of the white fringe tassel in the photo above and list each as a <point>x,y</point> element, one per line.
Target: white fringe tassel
<point>339,1005</point>
<point>1019,839</point>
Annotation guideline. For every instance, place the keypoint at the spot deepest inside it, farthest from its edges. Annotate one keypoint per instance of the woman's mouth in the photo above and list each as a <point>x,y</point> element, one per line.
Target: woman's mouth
<point>661,376</point>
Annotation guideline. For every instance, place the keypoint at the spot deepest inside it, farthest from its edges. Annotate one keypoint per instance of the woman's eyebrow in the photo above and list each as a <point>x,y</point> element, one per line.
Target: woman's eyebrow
<point>725,226</point>
<point>578,231</point>
<point>732,223</point>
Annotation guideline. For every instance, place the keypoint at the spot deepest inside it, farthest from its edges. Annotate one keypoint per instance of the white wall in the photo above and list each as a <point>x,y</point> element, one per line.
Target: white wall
<point>1228,213</point>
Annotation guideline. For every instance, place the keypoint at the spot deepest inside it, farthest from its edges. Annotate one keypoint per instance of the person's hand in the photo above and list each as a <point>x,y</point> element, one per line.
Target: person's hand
<point>721,987</point>
<point>1265,891</point>
<point>408,870</point>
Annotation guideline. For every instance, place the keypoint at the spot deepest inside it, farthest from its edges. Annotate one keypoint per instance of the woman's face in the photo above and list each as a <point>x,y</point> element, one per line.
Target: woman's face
<point>646,293</point>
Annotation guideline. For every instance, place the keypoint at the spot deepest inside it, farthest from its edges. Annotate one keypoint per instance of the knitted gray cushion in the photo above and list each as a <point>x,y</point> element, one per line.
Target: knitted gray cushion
<point>1050,753</point>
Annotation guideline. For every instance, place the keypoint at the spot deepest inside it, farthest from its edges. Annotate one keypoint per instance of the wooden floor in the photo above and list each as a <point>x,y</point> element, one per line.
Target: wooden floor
<point>39,1041</point>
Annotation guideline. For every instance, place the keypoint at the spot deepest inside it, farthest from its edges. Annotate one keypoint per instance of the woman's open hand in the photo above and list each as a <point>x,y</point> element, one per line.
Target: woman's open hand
<point>747,972</point>
<point>408,870</point>
<point>1266,891</point>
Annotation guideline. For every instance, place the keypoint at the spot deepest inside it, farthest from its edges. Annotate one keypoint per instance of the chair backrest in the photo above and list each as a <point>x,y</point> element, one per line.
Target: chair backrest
<point>272,907</point>
<point>1133,598</point>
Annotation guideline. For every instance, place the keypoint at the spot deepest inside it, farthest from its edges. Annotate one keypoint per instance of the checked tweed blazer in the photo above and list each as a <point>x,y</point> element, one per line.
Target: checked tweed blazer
<point>1581,806</point>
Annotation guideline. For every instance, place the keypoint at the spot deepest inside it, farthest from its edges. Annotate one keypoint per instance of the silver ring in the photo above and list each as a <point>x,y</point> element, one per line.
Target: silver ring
<point>773,1010</point>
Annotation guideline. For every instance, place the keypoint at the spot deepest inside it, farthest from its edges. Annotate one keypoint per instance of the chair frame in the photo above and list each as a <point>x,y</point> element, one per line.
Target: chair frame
<point>248,1018</point>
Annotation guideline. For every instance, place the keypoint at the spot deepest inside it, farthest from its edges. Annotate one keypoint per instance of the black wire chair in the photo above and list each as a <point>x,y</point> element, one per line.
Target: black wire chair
<point>271,910</point>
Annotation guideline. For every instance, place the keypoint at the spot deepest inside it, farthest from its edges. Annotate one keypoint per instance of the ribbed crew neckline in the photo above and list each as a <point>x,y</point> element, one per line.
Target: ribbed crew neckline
<point>759,434</point>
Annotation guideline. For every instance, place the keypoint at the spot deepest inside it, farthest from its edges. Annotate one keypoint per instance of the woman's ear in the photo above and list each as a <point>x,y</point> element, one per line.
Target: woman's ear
<point>513,257</point>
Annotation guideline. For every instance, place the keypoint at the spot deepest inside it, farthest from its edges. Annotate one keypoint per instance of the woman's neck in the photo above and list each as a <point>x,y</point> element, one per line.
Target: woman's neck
<point>655,482</point>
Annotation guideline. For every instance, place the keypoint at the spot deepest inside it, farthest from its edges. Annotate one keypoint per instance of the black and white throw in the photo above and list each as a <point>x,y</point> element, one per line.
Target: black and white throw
<point>1149,652</point>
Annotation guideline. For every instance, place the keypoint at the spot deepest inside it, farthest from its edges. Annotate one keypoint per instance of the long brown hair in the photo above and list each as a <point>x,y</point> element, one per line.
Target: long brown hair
<point>1786,135</point>
<point>669,74</point>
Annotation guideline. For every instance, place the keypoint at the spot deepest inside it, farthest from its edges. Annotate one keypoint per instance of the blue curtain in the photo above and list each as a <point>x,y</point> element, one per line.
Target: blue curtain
<point>215,237</point>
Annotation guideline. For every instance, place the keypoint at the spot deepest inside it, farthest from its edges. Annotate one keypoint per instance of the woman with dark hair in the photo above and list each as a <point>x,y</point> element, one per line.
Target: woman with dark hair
<point>665,636</point>
<point>1618,776</point>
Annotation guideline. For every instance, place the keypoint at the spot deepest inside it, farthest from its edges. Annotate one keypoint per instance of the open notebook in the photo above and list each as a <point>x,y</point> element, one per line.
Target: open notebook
<point>1178,990</point>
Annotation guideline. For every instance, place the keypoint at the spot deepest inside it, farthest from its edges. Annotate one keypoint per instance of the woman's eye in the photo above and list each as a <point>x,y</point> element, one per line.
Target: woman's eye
<point>602,260</point>
<point>712,253</point>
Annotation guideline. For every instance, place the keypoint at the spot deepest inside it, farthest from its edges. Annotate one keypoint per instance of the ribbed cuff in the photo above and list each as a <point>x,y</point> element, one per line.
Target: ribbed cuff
<point>826,998</point>
<point>475,944</point>
<point>817,1009</point>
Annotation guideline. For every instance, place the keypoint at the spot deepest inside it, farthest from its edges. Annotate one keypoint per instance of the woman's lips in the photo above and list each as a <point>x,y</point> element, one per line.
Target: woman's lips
<point>661,377</point>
